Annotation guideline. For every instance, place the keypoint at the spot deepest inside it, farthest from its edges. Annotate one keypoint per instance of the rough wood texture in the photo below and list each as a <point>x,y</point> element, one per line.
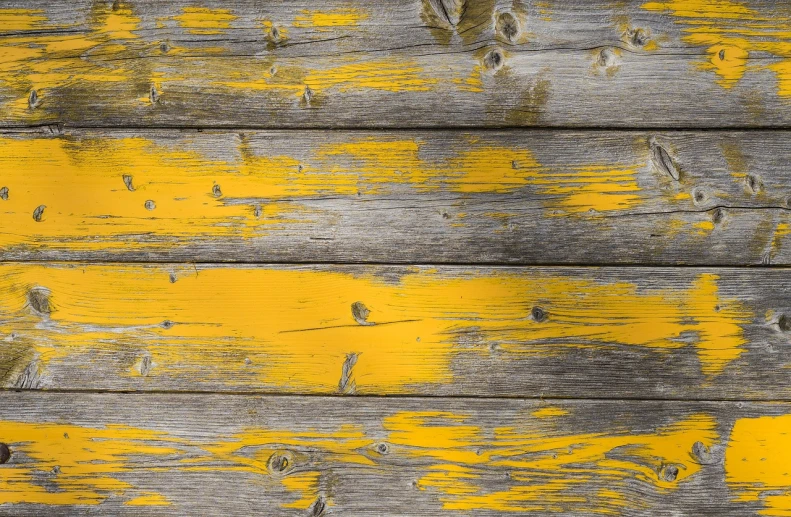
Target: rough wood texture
<point>224,455</point>
<point>342,63</point>
<point>550,197</point>
<point>590,332</point>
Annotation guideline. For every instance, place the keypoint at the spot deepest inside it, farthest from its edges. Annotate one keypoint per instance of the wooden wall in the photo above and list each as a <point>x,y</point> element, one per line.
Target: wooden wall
<point>395,257</point>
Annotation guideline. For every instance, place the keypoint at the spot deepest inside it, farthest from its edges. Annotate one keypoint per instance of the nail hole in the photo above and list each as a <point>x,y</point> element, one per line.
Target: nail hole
<point>33,99</point>
<point>4,193</point>
<point>216,191</point>
<point>382,448</point>
<point>538,314</point>
<point>150,205</point>
<point>784,323</point>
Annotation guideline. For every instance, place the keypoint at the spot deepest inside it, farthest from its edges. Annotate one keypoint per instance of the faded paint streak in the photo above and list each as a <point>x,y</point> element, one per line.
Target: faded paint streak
<point>203,20</point>
<point>323,19</point>
<point>758,463</point>
<point>730,31</point>
<point>250,325</point>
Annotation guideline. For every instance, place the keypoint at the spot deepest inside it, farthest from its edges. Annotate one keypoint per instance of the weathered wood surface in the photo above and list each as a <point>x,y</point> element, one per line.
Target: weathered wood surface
<point>229,455</point>
<point>574,332</point>
<point>551,197</point>
<point>343,63</point>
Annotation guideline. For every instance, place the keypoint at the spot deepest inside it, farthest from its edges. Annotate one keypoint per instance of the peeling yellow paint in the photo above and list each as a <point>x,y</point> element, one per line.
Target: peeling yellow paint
<point>249,325</point>
<point>83,462</point>
<point>546,473</point>
<point>204,20</point>
<point>730,31</point>
<point>758,462</point>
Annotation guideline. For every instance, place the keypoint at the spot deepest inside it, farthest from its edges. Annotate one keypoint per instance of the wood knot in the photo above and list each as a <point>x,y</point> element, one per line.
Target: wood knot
<point>607,58</point>
<point>167,324</point>
<point>318,507</point>
<point>5,453</point>
<point>508,26</point>
<point>668,473</point>
<point>360,313</point>
<point>382,448</point>
<point>150,205</point>
<point>753,184</point>
<point>38,300</point>
<point>717,215</point>
<point>280,462</point>
<point>128,182</point>
<point>663,162</point>
<point>38,213</point>
<point>449,12</point>
<point>4,193</point>
<point>216,191</point>
<point>701,453</point>
<point>699,195</point>
<point>538,314</point>
<point>784,323</point>
<point>493,60</point>
<point>153,94</point>
<point>347,384</point>
<point>638,37</point>
<point>33,99</point>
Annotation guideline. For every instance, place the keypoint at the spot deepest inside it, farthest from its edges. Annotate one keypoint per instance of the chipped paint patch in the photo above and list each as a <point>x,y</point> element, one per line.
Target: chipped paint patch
<point>204,20</point>
<point>325,19</point>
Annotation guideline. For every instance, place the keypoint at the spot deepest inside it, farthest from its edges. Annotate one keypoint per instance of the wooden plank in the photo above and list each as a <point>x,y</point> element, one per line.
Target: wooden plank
<point>572,332</point>
<point>551,197</point>
<point>351,63</point>
<point>225,455</point>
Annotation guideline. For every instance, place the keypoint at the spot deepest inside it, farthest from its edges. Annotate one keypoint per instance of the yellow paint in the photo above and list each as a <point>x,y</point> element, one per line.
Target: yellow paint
<point>549,412</point>
<point>248,326</point>
<point>324,19</point>
<point>546,472</point>
<point>730,31</point>
<point>758,462</point>
<point>203,20</point>
<point>99,212</point>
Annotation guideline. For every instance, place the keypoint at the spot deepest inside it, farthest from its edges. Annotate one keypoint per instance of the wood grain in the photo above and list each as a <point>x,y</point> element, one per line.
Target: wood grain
<point>546,197</point>
<point>690,333</point>
<point>230,455</point>
<point>400,63</point>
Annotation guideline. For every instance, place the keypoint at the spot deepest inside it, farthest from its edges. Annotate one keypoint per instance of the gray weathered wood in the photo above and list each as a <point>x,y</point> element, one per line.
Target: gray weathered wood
<point>693,333</point>
<point>395,63</point>
<point>551,197</point>
<point>226,455</point>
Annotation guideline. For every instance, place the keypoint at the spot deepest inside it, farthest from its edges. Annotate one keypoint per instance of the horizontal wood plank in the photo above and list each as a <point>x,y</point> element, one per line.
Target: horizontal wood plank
<point>396,63</point>
<point>575,332</point>
<point>541,197</point>
<point>222,455</point>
